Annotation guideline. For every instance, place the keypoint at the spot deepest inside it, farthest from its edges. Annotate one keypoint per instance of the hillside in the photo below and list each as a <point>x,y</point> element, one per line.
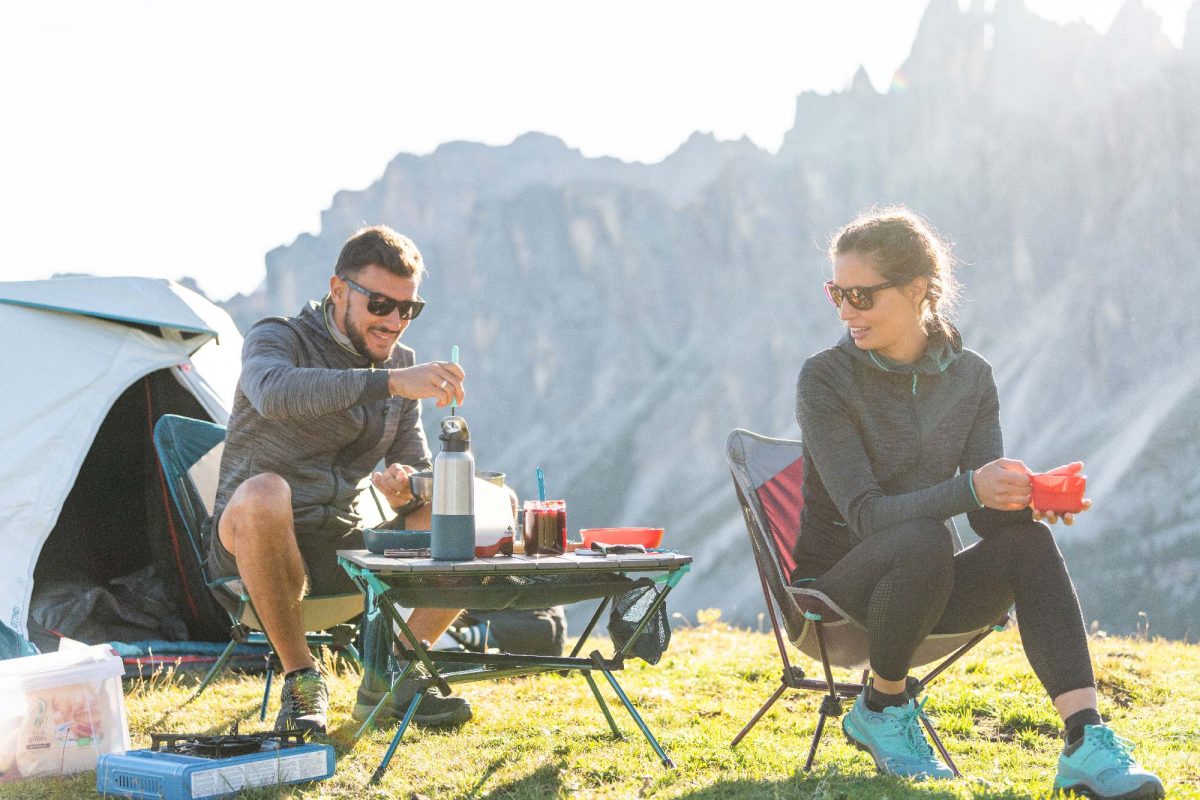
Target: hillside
<point>544,737</point>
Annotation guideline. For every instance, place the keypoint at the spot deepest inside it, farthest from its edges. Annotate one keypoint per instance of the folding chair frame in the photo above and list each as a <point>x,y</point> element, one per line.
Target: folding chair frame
<point>793,677</point>
<point>191,511</point>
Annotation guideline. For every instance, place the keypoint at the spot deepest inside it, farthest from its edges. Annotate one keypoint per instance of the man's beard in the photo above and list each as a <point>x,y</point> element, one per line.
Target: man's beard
<point>358,339</point>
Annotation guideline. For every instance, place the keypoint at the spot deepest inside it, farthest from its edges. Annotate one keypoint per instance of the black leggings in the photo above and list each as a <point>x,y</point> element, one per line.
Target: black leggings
<point>907,582</point>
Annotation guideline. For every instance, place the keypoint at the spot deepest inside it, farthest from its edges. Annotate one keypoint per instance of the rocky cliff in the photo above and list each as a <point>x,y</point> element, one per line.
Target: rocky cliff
<point>617,320</point>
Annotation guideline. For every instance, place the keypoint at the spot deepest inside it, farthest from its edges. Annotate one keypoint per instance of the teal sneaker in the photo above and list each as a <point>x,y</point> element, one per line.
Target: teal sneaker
<point>894,739</point>
<point>1101,765</point>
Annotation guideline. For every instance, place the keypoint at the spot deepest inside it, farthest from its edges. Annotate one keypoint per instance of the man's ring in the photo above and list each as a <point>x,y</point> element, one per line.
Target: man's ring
<point>442,385</point>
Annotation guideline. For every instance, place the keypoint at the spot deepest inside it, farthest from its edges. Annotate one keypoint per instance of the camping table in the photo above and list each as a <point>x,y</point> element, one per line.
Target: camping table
<point>480,583</point>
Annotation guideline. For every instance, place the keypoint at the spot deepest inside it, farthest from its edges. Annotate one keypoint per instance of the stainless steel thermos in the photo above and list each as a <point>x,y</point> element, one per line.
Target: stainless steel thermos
<point>453,535</point>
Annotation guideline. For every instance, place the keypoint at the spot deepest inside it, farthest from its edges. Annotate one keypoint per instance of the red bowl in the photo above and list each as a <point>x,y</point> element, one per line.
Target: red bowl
<point>1058,493</point>
<point>646,537</point>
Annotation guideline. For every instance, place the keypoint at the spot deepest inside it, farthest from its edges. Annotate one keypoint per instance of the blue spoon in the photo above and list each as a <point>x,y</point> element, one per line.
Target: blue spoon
<point>453,360</point>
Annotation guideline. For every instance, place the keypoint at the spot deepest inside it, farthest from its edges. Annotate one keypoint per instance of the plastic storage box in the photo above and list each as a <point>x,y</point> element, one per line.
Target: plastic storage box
<point>59,712</point>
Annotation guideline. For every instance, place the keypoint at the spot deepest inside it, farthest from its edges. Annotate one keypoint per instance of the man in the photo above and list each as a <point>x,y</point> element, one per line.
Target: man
<point>323,397</point>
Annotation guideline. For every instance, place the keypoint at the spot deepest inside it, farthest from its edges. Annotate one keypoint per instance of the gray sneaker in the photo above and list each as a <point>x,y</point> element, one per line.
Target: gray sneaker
<point>435,711</point>
<point>304,702</point>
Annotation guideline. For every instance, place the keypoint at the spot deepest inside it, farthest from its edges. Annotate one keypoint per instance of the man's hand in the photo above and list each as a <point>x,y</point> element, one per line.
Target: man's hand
<point>440,379</point>
<point>1003,484</point>
<point>393,484</point>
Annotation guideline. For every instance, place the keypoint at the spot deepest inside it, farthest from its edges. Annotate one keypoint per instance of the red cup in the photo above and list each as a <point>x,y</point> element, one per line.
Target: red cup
<point>1058,493</point>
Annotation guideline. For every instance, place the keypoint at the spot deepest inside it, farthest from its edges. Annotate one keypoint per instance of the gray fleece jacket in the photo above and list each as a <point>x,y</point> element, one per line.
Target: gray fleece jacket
<point>319,415</point>
<point>886,442</point>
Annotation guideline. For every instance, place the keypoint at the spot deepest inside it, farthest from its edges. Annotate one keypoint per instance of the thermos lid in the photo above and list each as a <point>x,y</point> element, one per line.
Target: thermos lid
<point>455,437</point>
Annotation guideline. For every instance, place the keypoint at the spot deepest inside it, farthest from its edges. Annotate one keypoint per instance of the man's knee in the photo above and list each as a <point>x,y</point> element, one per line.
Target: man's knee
<point>261,506</point>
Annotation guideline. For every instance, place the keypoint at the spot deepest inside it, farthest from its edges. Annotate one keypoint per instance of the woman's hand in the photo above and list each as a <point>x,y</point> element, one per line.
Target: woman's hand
<point>1067,517</point>
<point>1053,516</point>
<point>1003,484</point>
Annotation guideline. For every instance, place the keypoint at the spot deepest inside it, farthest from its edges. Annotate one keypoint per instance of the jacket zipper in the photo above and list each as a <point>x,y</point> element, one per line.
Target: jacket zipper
<point>916,417</point>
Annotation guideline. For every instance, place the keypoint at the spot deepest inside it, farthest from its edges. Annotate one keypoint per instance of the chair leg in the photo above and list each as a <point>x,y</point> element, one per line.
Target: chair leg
<point>214,669</point>
<point>816,741</point>
<point>759,714</point>
<point>831,704</point>
<point>262,711</point>
<point>937,741</point>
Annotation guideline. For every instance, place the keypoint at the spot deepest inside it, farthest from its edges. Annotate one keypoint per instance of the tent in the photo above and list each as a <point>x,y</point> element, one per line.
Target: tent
<point>85,521</point>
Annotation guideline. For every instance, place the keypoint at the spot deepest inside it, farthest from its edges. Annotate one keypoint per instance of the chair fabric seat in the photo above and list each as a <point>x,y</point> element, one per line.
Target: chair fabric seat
<point>846,641</point>
<point>318,613</point>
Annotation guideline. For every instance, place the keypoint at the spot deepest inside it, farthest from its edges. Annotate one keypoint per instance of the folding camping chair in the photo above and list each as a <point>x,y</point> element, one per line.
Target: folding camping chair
<point>183,444</point>
<point>768,475</point>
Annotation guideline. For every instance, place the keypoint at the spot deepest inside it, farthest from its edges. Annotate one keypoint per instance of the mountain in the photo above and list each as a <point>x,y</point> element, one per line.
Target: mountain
<point>617,319</point>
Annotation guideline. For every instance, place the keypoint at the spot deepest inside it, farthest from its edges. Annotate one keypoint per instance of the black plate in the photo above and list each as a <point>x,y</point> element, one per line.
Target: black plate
<point>379,539</point>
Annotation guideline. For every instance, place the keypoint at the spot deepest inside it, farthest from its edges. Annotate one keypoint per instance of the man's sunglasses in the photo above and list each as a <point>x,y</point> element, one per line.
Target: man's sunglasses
<point>861,297</point>
<point>381,305</point>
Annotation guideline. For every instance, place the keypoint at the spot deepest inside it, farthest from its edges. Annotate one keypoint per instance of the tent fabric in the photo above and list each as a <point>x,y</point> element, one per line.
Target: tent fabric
<point>141,301</point>
<point>69,360</point>
<point>117,519</point>
<point>14,645</point>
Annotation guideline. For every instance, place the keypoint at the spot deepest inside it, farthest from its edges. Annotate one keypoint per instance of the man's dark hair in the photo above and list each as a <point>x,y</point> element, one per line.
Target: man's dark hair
<point>380,245</point>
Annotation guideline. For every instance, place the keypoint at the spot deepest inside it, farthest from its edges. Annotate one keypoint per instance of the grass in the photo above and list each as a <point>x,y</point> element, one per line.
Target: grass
<point>544,736</point>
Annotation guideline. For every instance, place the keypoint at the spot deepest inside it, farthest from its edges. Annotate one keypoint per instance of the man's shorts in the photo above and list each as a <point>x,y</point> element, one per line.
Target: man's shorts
<point>318,551</point>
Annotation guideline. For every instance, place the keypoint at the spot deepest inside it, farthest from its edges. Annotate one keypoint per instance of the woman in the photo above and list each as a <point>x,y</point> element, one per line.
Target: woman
<point>901,432</point>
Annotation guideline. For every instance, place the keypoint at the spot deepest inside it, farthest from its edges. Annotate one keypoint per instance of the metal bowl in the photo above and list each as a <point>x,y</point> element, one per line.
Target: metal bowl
<point>421,484</point>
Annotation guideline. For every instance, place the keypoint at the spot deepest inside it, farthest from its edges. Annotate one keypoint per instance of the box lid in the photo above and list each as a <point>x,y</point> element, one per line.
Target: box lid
<point>75,665</point>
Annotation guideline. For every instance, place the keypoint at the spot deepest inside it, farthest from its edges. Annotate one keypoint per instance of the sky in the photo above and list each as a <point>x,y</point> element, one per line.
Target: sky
<point>188,139</point>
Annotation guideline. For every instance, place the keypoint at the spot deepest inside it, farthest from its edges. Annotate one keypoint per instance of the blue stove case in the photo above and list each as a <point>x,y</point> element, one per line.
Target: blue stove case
<point>159,774</point>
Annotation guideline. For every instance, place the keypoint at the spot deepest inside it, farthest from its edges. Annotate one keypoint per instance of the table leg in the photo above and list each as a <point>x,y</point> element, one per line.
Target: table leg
<point>591,624</point>
<point>378,592</point>
<point>612,723</point>
<point>418,649</point>
<point>387,757</point>
<point>388,696</point>
<point>597,660</point>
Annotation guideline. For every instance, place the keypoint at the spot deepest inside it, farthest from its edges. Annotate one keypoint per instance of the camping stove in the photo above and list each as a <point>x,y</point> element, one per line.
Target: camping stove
<point>189,766</point>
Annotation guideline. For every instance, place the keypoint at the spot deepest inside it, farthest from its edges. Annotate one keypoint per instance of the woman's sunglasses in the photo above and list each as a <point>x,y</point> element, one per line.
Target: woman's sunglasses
<point>861,297</point>
<point>381,305</point>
